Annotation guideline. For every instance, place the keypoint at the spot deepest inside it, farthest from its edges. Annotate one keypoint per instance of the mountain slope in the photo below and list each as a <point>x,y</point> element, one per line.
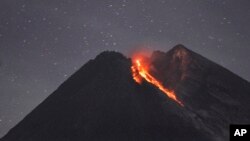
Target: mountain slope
<point>101,101</point>
<point>213,96</point>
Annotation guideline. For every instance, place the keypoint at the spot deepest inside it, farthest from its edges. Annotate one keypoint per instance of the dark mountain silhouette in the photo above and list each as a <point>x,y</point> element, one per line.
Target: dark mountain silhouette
<point>101,101</point>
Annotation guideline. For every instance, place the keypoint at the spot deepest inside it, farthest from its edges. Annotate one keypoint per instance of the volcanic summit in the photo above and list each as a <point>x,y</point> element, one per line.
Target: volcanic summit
<point>177,95</point>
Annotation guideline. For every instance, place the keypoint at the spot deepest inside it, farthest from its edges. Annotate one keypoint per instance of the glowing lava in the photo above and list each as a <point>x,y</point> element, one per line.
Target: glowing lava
<point>139,72</point>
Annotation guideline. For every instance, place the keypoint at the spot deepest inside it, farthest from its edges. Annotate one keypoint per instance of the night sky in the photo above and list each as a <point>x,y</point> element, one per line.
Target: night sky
<point>43,42</point>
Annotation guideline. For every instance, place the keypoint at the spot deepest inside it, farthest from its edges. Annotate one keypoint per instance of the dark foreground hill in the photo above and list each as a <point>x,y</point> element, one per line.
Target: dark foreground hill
<point>102,102</point>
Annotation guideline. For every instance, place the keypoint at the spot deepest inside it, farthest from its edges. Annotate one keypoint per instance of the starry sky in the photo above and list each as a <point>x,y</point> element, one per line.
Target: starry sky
<point>43,42</point>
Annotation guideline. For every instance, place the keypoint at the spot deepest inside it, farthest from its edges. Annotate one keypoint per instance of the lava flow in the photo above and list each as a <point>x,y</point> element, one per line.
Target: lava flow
<point>139,72</point>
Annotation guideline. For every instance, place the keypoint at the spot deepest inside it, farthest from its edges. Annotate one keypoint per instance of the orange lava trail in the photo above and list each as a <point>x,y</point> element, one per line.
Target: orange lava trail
<point>140,72</point>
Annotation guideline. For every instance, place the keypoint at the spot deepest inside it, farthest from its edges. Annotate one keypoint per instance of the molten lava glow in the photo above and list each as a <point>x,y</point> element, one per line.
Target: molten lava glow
<point>140,71</point>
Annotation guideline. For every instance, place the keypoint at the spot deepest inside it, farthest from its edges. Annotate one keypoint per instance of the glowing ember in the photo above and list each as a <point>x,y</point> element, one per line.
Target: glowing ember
<point>139,71</point>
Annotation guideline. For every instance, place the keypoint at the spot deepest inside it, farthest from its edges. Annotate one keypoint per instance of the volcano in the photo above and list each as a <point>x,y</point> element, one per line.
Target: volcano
<point>104,101</point>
